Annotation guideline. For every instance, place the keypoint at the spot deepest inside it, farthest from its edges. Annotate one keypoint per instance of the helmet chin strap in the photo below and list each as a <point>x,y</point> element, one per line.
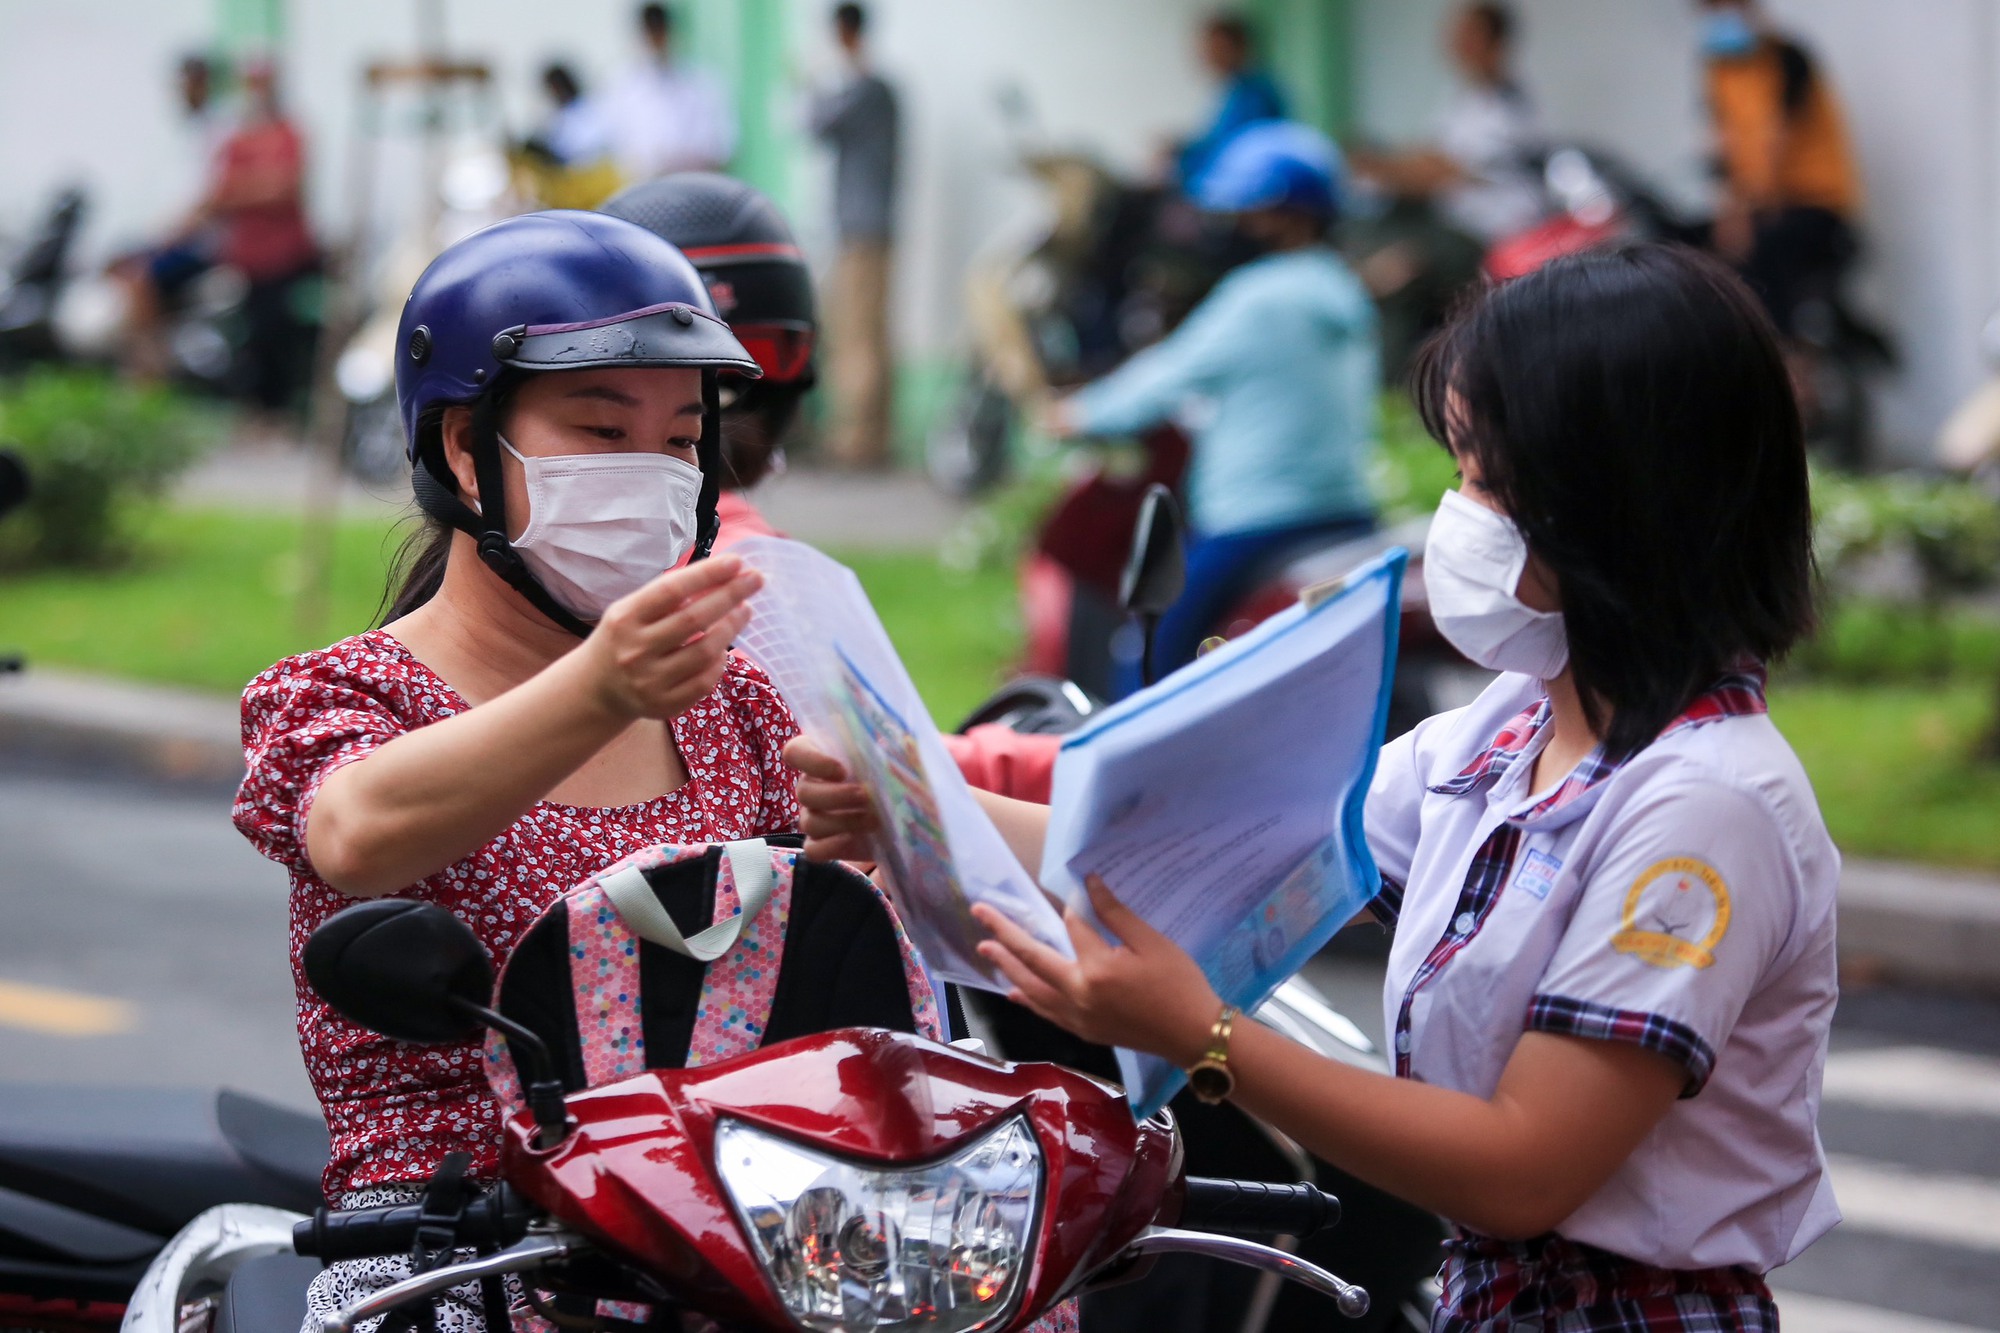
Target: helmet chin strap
<point>708,455</point>
<point>488,525</point>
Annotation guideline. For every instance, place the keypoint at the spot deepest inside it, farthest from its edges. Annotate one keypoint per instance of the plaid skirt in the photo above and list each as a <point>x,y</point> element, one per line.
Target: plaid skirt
<point>1553,1285</point>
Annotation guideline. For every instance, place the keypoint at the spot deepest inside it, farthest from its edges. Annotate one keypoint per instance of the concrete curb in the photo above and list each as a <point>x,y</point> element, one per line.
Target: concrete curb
<point>146,731</point>
<point>1910,923</point>
<point>1920,923</point>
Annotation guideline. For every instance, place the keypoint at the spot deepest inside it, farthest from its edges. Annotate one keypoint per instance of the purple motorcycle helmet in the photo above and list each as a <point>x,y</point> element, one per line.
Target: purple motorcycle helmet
<point>540,293</point>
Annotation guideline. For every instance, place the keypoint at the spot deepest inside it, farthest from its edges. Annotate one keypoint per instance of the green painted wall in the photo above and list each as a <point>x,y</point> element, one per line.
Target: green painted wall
<point>745,42</point>
<point>243,26</point>
<point>1310,47</point>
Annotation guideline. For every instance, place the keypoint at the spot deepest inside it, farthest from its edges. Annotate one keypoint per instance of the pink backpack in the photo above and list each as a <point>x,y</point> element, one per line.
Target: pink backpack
<point>685,954</point>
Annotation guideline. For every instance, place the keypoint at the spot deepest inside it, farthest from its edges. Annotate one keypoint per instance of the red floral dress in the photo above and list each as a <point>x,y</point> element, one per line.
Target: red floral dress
<point>394,1110</point>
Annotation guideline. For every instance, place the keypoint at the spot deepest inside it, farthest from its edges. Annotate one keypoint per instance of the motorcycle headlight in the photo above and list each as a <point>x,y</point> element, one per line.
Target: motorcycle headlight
<point>944,1247</point>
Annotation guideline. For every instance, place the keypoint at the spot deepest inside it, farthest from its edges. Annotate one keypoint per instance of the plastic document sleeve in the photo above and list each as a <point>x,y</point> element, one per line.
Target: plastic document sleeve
<point>1224,804</point>
<point>815,634</point>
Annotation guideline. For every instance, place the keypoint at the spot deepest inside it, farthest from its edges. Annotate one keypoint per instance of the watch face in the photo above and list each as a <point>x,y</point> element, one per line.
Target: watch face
<point>1210,1082</point>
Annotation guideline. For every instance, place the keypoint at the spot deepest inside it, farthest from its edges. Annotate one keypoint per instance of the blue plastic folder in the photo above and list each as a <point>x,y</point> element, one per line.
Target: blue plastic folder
<point>1224,804</point>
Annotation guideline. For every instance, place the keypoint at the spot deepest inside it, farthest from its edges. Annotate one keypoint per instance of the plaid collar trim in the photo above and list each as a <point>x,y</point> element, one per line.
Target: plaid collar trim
<point>1738,694</point>
<point>1491,764</point>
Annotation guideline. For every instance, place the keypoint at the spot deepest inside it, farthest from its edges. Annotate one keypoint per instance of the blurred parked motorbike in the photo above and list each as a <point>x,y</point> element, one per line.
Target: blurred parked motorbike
<point>95,1181</point>
<point>36,273</point>
<point>1106,268</point>
<point>1834,353</point>
<point>223,334</point>
<point>1070,583</point>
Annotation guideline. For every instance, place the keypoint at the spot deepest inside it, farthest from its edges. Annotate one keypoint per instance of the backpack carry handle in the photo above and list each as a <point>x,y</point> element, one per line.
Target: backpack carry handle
<point>632,895</point>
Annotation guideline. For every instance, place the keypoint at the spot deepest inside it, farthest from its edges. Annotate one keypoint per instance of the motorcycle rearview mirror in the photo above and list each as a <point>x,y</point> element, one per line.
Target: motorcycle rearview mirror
<point>1156,569</point>
<point>415,972</point>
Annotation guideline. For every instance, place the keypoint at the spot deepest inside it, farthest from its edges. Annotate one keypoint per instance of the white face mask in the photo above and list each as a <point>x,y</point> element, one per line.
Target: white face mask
<point>1473,560</point>
<point>603,525</point>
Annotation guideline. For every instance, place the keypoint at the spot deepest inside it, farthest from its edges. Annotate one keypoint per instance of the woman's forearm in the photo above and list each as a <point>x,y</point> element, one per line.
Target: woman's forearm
<point>439,793</point>
<point>1023,825</point>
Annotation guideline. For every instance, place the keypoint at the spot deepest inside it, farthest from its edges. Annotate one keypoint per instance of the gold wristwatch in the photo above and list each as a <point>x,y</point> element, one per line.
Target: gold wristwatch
<point>1210,1078</point>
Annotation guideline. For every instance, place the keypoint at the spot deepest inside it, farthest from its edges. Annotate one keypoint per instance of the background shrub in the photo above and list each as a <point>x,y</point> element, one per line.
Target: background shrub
<point>96,448</point>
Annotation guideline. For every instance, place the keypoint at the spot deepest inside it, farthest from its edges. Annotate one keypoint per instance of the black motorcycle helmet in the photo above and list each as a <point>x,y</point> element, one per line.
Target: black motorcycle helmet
<point>757,277</point>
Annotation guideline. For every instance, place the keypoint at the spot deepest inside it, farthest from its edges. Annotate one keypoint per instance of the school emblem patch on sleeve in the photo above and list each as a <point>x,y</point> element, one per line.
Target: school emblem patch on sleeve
<point>1676,912</point>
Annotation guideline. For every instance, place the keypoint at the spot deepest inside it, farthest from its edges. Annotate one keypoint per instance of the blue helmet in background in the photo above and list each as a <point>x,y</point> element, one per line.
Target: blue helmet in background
<point>548,292</point>
<point>1274,164</point>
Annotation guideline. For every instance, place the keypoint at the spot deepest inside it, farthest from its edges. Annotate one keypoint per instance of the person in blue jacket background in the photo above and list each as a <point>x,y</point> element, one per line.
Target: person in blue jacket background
<point>1273,375</point>
<point>1249,95</point>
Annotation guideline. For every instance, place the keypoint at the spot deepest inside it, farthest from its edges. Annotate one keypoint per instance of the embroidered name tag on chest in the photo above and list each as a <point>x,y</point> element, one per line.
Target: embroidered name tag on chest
<point>1537,874</point>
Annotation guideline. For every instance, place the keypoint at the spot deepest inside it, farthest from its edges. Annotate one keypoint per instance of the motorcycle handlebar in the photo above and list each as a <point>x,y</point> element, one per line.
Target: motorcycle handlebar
<point>1253,1208</point>
<point>497,1218</point>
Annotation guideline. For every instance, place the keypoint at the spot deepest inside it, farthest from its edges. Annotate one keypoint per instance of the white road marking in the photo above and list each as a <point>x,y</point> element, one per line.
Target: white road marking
<point>1946,1209</point>
<point>1915,1078</point>
<point>1817,1314</point>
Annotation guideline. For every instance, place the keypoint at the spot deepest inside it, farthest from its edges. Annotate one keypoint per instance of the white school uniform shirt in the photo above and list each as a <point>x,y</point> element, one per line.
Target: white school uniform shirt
<point>1682,900</point>
<point>661,118</point>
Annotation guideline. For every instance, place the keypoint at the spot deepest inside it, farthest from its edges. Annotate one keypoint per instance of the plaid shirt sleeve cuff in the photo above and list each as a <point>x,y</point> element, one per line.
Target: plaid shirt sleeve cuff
<point>1599,1022</point>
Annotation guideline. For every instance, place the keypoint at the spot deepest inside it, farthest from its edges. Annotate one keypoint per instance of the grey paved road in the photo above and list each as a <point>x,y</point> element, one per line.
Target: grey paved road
<point>142,941</point>
<point>149,899</point>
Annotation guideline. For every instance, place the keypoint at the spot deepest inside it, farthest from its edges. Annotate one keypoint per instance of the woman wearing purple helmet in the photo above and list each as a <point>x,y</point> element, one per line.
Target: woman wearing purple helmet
<point>549,694</point>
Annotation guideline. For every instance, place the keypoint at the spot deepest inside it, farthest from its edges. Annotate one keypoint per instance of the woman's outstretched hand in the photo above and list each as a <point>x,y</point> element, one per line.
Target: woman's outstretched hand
<point>660,650</point>
<point>1140,990</point>
<point>835,813</point>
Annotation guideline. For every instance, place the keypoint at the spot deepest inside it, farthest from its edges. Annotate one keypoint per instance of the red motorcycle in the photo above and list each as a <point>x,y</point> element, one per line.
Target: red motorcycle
<point>858,1179</point>
<point>1077,585</point>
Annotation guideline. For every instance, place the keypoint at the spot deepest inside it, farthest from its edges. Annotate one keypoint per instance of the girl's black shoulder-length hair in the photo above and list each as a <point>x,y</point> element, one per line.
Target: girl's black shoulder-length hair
<point>1630,410</point>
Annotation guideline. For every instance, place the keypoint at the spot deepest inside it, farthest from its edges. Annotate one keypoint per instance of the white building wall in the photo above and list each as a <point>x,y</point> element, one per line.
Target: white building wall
<point>1919,84</point>
<point>87,96</point>
<point>86,93</point>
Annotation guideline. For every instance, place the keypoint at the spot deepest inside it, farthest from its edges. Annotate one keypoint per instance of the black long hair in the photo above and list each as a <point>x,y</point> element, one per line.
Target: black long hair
<point>416,572</point>
<point>1631,412</point>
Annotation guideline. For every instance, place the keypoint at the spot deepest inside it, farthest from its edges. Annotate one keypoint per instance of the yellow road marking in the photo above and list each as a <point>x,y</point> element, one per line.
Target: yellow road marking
<point>63,1013</point>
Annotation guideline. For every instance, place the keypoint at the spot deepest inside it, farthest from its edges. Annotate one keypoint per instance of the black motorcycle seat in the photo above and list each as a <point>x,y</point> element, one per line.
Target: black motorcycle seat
<point>266,1295</point>
<point>154,1158</point>
<point>290,1145</point>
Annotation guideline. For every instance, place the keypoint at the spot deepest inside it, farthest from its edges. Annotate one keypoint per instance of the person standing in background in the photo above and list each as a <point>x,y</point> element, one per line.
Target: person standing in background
<point>1476,183</point>
<point>1790,190</point>
<point>574,132</point>
<point>858,118</point>
<point>258,205</point>
<point>206,120</point>
<point>1249,95</point>
<point>155,276</point>
<point>258,196</point>
<point>1274,377</point>
<point>1481,173</point>
<point>663,115</point>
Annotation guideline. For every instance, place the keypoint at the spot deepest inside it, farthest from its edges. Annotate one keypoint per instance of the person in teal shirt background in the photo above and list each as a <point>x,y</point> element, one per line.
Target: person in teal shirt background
<point>1273,375</point>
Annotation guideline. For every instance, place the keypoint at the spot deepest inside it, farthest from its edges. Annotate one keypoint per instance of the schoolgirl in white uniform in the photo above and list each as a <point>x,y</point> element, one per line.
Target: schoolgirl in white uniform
<point>1611,889</point>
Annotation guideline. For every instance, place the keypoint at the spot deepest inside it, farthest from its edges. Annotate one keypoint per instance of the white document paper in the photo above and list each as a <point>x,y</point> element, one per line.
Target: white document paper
<point>1223,804</point>
<point>815,634</point>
